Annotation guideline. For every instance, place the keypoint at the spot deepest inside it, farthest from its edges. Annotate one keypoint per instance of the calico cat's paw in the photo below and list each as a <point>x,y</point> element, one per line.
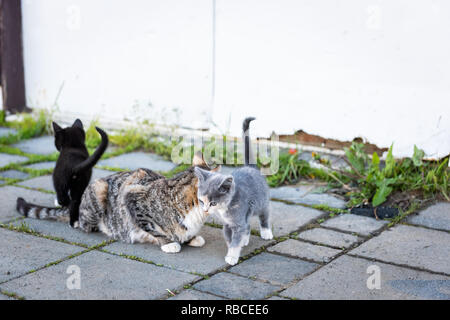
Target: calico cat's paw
<point>231,260</point>
<point>172,247</point>
<point>197,241</point>
<point>266,234</point>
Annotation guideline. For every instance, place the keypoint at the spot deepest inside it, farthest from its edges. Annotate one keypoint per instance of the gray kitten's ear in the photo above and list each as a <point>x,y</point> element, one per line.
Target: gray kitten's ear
<point>56,127</point>
<point>226,184</point>
<point>201,174</point>
<point>78,124</point>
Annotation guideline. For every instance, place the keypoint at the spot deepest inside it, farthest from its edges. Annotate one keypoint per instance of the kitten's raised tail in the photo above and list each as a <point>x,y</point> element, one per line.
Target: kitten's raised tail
<point>245,128</point>
<point>35,211</point>
<point>90,162</point>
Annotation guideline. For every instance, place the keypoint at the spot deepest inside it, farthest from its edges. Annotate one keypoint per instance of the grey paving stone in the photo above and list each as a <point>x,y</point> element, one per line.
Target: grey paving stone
<point>329,237</point>
<point>135,160</point>
<point>42,165</point>
<point>204,260</point>
<point>285,218</point>
<point>276,269</point>
<point>277,298</point>
<point>99,173</point>
<point>305,250</point>
<point>346,278</point>
<point>46,182</point>
<point>5,297</point>
<point>14,174</point>
<point>411,246</point>
<point>336,162</point>
<point>42,182</point>
<point>7,131</point>
<point>236,287</point>
<point>304,195</point>
<point>436,217</point>
<point>352,223</point>
<point>21,253</point>
<point>6,159</point>
<point>8,198</point>
<point>40,145</point>
<point>64,231</point>
<point>191,294</point>
<point>103,276</point>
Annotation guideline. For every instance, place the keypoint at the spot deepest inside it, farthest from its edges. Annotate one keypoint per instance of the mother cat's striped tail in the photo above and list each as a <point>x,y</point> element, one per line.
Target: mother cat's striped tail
<point>40,212</point>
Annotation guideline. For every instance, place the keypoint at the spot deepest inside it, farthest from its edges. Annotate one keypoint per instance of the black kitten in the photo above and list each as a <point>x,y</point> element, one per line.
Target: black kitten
<point>73,169</point>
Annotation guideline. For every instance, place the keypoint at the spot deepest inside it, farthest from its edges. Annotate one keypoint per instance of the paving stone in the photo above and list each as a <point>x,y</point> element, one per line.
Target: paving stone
<point>135,160</point>
<point>411,246</point>
<point>305,250</point>
<point>42,165</point>
<point>277,298</point>
<point>5,297</point>
<point>8,198</point>
<point>46,182</point>
<point>7,131</point>
<point>21,253</point>
<point>103,276</point>
<point>304,195</point>
<point>329,237</point>
<point>436,217</point>
<point>276,269</point>
<point>191,294</point>
<point>236,287</point>
<point>40,145</point>
<point>100,173</point>
<point>204,260</point>
<point>352,223</point>
<point>42,182</point>
<point>336,162</point>
<point>14,174</point>
<point>346,278</point>
<point>285,218</point>
<point>6,159</point>
<point>64,231</point>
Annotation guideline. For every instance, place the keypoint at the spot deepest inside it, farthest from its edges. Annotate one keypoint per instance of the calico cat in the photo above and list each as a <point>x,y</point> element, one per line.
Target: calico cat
<point>141,206</point>
<point>235,198</point>
<point>73,168</point>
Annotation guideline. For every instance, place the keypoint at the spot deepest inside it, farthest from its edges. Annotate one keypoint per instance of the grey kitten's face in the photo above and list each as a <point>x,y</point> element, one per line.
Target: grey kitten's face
<point>215,190</point>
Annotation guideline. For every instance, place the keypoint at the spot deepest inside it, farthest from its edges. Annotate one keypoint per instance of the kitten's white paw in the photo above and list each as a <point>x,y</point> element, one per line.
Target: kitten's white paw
<point>197,241</point>
<point>266,234</point>
<point>172,247</point>
<point>231,260</point>
<point>75,225</point>
<point>57,203</point>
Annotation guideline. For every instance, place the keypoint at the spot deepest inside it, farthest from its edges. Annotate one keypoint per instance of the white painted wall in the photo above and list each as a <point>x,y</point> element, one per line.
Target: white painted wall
<point>116,58</point>
<point>340,69</point>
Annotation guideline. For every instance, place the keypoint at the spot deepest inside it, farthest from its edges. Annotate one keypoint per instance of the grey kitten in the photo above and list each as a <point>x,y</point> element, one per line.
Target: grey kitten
<point>235,198</point>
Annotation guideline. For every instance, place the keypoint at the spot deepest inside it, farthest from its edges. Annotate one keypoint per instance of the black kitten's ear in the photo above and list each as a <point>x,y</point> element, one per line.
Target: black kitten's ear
<point>201,174</point>
<point>56,127</point>
<point>226,184</point>
<point>78,124</point>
